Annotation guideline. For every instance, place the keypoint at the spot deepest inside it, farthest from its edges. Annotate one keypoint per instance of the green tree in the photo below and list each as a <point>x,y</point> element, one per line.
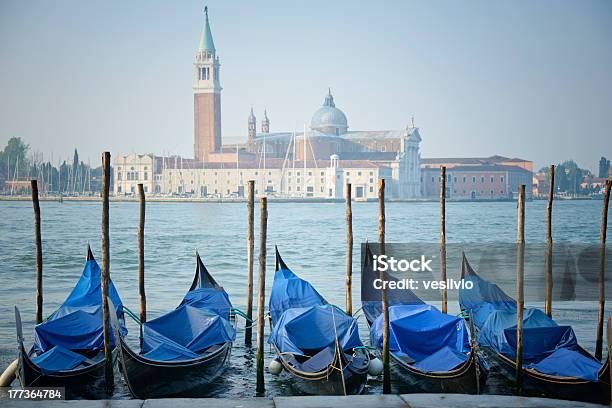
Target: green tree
<point>14,157</point>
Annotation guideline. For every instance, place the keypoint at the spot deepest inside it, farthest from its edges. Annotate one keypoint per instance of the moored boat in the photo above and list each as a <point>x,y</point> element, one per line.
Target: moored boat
<point>185,350</point>
<point>554,364</point>
<point>430,351</point>
<point>316,343</point>
<point>68,348</point>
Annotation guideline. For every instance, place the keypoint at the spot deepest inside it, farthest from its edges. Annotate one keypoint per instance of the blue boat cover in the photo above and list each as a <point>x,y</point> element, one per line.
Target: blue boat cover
<point>303,323</point>
<point>307,330</point>
<point>435,341</point>
<point>57,359</point>
<point>77,324</point>
<point>547,347</point>
<point>184,333</point>
<point>200,321</point>
<point>209,298</point>
<point>289,291</point>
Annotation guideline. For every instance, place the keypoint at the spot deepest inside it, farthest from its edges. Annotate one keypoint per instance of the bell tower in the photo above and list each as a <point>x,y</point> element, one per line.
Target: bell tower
<point>206,96</point>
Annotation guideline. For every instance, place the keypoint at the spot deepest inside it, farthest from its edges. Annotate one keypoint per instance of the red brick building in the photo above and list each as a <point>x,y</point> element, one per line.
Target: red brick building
<point>490,178</point>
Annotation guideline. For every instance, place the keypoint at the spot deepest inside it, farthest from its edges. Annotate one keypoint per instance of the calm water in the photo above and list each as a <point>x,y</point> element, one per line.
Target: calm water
<point>311,238</point>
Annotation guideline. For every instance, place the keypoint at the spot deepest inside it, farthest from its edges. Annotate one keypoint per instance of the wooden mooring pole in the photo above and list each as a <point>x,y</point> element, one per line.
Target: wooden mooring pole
<point>384,301</point>
<point>549,244</point>
<point>39,257</point>
<point>609,338</point>
<point>349,250</point>
<point>263,225</point>
<point>141,258</point>
<point>248,331</point>
<point>105,273</point>
<point>520,280</point>
<point>602,272</point>
<point>443,236</point>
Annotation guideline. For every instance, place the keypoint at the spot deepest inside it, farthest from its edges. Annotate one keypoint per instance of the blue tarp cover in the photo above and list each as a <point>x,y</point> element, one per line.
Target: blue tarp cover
<point>547,347</point>
<point>57,359</point>
<point>307,330</point>
<point>289,291</point>
<point>434,340</point>
<point>184,331</point>
<point>77,324</point>
<point>213,299</point>
<point>200,321</point>
<point>573,363</point>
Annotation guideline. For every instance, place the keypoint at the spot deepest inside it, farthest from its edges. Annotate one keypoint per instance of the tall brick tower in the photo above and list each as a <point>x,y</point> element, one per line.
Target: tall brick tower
<point>206,96</point>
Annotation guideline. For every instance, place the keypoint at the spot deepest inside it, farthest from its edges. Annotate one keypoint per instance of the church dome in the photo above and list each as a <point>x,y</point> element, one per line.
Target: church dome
<point>328,118</point>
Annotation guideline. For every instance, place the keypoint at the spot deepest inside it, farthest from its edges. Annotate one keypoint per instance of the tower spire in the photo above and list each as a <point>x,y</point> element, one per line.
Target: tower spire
<point>206,39</point>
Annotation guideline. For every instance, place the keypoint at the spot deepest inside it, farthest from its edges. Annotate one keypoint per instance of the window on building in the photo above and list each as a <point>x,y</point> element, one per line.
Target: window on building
<point>439,179</point>
<point>321,188</point>
<point>118,189</point>
<point>482,179</point>
<point>322,180</point>
<point>464,179</point>
<point>289,188</point>
<point>146,175</point>
<point>298,173</point>
<point>132,189</point>
<point>455,179</point>
<point>433,179</point>
<point>269,173</point>
<point>322,173</point>
<point>298,188</point>
<point>310,173</point>
<point>371,173</point>
<point>146,189</point>
<point>309,189</point>
<point>473,179</point>
<point>348,173</point>
<point>372,180</point>
<point>359,173</point>
<point>289,173</point>
<point>298,180</point>
<point>491,179</point>
<point>119,176</point>
<point>502,179</point>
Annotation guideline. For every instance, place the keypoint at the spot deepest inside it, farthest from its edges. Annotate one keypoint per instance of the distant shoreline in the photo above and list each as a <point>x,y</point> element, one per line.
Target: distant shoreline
<point>157,199</point>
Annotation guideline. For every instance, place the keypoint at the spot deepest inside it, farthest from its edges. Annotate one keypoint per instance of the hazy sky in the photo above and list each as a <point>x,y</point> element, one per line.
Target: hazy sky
<point>518,78</point>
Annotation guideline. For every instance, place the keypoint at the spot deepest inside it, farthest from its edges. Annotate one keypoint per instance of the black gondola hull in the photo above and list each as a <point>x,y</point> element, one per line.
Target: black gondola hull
<point>461,380</point>
<point>87,382</point>
<point>157,379</point>
<point>354,381</point>
<point>536,384</point>
<point>329,381</point>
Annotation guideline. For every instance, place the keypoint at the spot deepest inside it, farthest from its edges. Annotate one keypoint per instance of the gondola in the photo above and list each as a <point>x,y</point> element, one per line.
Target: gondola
<point>316,343</point>
<point>185,350</point>
<point>430,351</point>
<point>554,364</point>
<point>68,348</point>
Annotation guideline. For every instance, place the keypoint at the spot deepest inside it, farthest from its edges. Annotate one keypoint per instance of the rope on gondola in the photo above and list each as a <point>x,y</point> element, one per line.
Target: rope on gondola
<point>240,313</point>
<point>131,314</point>
<point>339,351</point>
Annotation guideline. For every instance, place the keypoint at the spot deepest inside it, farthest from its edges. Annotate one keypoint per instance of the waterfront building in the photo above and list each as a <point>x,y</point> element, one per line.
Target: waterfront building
<point>326,145</point>
<point>474,178</point>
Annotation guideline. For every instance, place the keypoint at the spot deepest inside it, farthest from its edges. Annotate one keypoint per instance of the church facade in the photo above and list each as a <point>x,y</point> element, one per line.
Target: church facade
<point>316,162</point>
